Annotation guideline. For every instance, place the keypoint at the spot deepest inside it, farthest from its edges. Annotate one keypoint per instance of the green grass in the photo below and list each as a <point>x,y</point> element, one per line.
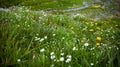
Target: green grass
<point>30,38</point>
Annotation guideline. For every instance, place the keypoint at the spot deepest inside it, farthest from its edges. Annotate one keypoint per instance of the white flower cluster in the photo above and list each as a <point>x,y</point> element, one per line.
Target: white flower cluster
<point>52,56</point>
<point>61,59</point>
<point>62,54</point>
<point>40,39</point>
<point>69,58</point>
<point>18,60</point>
<point>54,34</point>
<point>91,64</point>
<point>42,50</point>
<point>78,15</point>
<point>86,44</point>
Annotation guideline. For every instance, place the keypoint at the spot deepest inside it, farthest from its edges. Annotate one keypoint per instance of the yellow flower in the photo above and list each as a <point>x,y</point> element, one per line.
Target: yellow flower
<point>99,38</point>
<point>82,41</point>
<point>98,44</point>
<point>91,30</point>
<point>96,6</point>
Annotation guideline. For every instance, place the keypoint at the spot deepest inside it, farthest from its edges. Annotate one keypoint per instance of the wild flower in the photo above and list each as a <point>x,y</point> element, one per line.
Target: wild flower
<point>82,41</point>
<point>69,58</point>
<point>62,54</point>
<point>36,38</point>
<point>52,65</point>
<point>61,59</point>
<point>54,34</point>
<point>98,44</point>
<point>92,48</point>
<point>52,53</point>
<point>86,44</point>
<point>42,50</point>
<point>63,38</point>
<point>91,64</point>
<point>33,57</point>
<point>18,60</point>
<point>52,57</point>
<point>99,38</point>
<point>74,48</point>
<point>42,39</point>
<point>84,29</point>
<point>91,30</point>
<point>96,6</point>
<point>78,15</point>
<point>37,34</point>
<point>45,37</point>
<point>117,48</point>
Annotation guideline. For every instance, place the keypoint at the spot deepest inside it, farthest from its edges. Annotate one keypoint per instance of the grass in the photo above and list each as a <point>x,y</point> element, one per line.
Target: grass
<point>49,5</point>
<point>82,38</point>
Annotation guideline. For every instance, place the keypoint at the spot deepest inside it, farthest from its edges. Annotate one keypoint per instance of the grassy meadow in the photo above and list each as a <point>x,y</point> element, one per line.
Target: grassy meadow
<point>46,38</point>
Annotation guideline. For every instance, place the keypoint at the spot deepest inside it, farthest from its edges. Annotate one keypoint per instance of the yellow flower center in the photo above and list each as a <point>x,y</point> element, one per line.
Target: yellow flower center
<point>91,30</point>
<point>96,6</point>
<point>98,44</point>
<point>99,38</point>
